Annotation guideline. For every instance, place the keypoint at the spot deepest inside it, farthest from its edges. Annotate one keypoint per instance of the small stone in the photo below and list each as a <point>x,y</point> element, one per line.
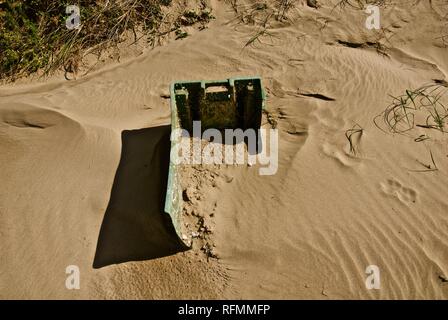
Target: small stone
<point>184,237</point>
<point>208,250</point>
<point>207,227</point>
<point>312,3</point>
<point>195,234</point>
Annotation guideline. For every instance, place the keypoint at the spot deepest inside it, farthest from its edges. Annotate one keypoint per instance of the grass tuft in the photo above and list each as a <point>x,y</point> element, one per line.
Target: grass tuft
<point>399,116</point>
<point>34,36</point>
<point>261,14</point>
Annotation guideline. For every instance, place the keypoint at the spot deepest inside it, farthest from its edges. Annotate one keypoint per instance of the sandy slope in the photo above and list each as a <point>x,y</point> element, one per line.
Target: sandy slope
<point>307,232</point>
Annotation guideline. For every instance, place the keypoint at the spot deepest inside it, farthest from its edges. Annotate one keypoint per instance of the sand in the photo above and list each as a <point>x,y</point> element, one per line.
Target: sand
<point>83,165</point>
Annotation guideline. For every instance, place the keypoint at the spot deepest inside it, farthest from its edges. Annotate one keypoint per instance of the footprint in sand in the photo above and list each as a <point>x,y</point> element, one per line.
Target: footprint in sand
<point>395,188</point>
<point>333,150</point>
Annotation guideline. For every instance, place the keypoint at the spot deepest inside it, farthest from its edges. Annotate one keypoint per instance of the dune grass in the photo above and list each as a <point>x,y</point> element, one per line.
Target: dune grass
<point>34,36</point>
<point>261,14</point>
<point>359,4</point>
<point>399,116</point>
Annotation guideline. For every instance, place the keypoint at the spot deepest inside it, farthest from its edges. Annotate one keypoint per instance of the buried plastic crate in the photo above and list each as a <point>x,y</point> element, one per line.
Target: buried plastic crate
<point>223,104</point>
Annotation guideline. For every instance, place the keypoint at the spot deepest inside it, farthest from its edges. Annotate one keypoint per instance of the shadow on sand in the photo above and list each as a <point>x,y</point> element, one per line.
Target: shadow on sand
<point>135,226</point>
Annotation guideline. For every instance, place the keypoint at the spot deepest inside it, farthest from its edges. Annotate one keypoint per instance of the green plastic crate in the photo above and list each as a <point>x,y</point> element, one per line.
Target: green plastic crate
<point>223,104</point>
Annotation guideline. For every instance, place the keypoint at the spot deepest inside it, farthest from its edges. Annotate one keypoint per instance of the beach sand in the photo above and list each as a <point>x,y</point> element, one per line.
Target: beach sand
<point>83,168</point>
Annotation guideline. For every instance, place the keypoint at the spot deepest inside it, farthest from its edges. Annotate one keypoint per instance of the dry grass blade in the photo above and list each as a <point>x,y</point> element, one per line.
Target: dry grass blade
<point>429,167</point>
<point>399,116</point>
<point>260,14</point>
<point>350,133</point>
<point>256,38</point>
<point>358,4</point>
<point>283,7</point>
<point>37,37</point>
<point>421,138</point>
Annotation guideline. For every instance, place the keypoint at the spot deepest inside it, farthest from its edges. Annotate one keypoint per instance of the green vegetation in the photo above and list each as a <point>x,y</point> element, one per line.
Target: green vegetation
<point>399,116</point>
<point>34,36</point>
<point>261,15</point>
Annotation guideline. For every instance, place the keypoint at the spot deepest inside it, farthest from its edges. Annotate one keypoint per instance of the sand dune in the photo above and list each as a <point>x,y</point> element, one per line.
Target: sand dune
<point>83,165</point>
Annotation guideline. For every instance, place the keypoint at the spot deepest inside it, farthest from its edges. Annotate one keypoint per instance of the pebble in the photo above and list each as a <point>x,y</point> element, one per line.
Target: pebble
<point>312,3</point>
<point>195,234</point>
